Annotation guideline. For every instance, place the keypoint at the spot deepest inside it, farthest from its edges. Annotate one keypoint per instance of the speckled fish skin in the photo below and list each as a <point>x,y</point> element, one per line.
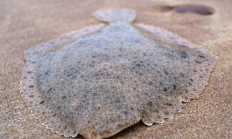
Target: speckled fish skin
<point>109,80</point>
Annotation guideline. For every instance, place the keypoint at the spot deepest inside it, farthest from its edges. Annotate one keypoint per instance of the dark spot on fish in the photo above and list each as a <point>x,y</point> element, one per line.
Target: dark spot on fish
<point>183,46</point>
<point>47,72</point>
<point>31,86</point>
<point>183,54</point>
<point>29,72</point>
<point>174,86</point>
<point>117,100</point>
<point>125,112</point>
<point>149,103</point>
<point>166,72</point>
<point>52,42</point>
<point>41,102</point>
<point>150,83</point>
<point>182,74</point>
<point>138,65</point>
<point>137,41</point>
<point>91,65</point>
<point>50,89</point>
<point>31,96</point>
<point>71,72</point>
<point>173,38</point>
<point>201,56</point>
<point>120,49</point>
<point>169,104</point>
<point>165,89</point>
<point>198,62</point>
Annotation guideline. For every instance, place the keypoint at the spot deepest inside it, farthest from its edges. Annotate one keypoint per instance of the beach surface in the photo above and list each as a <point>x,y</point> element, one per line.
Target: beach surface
<point>27,23</point>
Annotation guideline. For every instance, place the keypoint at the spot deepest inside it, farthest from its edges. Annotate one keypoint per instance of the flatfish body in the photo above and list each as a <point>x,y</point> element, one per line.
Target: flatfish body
<point>100,80</point>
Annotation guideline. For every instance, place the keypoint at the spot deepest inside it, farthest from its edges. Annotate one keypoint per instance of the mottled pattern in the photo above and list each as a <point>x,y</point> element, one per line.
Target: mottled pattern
<point>104,82</point>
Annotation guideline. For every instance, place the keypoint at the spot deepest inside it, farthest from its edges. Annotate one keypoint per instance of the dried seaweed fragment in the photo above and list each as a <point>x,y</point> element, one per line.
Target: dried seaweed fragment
<point>97,85</point>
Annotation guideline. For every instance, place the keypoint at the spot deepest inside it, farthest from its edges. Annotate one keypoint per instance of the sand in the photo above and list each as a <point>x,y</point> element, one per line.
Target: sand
<point>27,23</point>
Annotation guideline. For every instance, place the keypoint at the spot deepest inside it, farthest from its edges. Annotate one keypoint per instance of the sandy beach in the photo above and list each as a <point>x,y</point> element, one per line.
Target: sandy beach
<point>27,23</point>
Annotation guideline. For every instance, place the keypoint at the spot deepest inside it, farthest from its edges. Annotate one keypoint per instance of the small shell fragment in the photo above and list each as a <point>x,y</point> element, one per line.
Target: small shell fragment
<point>99,106</point>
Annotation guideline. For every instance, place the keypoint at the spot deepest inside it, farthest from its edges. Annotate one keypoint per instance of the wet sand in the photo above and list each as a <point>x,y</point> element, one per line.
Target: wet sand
<point>27,23</point>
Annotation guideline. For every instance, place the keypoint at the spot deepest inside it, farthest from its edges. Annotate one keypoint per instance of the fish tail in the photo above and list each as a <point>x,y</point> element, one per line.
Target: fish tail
<point>114,15</point>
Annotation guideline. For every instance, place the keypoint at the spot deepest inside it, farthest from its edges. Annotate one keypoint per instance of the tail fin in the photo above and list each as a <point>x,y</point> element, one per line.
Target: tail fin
<point>113,15</point>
